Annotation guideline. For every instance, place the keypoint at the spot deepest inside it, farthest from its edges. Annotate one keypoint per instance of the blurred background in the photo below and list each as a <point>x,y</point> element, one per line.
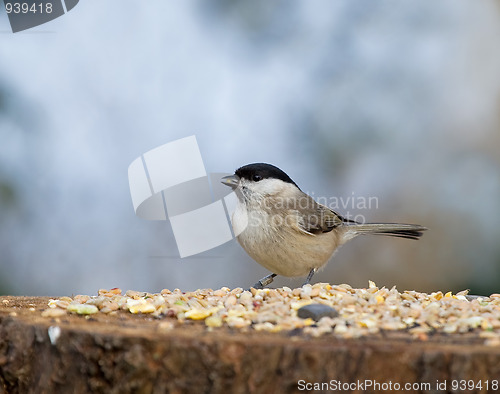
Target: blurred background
<point>353,99</point>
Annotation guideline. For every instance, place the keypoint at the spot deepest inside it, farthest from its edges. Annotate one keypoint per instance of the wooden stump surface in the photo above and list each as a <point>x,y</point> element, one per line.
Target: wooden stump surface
<point>125,353</point>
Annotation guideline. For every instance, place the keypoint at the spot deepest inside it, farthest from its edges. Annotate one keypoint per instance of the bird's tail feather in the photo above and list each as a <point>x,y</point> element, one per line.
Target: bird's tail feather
<point>410,231</point>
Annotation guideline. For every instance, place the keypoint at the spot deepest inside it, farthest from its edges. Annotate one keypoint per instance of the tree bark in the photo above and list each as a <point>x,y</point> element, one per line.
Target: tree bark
<point>126,353</point>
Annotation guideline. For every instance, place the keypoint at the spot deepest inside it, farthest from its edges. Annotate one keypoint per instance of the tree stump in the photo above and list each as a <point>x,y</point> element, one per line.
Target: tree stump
<point>127,353</point>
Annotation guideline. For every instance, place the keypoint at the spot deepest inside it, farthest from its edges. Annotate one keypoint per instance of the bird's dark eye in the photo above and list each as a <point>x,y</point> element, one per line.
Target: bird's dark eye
<point>256,178</point>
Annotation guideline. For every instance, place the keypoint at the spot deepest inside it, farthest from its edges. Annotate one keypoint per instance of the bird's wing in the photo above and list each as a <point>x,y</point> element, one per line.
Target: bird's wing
<point>317,218</point>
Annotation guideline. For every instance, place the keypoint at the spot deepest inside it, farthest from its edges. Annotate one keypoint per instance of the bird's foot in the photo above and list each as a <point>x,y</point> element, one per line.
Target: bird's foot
<point>309,277</point>
<point>267,280</point>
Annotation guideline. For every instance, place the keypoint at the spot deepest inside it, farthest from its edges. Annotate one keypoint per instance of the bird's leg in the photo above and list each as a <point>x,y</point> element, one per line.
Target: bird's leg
<point>309,277</point>
<point>266,280</point>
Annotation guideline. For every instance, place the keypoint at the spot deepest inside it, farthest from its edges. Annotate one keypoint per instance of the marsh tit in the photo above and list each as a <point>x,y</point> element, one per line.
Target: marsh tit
<point>287,231</point>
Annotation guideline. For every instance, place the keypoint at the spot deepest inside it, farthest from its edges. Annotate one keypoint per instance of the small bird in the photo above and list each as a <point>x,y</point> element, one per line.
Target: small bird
<point>287,231</point>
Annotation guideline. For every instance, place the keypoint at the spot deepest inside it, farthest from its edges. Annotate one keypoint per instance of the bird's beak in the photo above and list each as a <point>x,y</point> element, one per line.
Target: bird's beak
<point>231,180</point>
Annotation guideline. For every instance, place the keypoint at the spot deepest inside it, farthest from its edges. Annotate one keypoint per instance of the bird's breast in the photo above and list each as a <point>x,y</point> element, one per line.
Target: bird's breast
<point>276,242</point>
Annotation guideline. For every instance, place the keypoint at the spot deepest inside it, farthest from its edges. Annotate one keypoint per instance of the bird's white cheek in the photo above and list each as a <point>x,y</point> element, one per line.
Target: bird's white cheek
<point>268,187</point>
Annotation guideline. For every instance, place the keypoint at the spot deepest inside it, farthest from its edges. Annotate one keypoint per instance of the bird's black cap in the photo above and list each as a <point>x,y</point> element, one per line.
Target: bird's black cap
<point>263,170</point>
